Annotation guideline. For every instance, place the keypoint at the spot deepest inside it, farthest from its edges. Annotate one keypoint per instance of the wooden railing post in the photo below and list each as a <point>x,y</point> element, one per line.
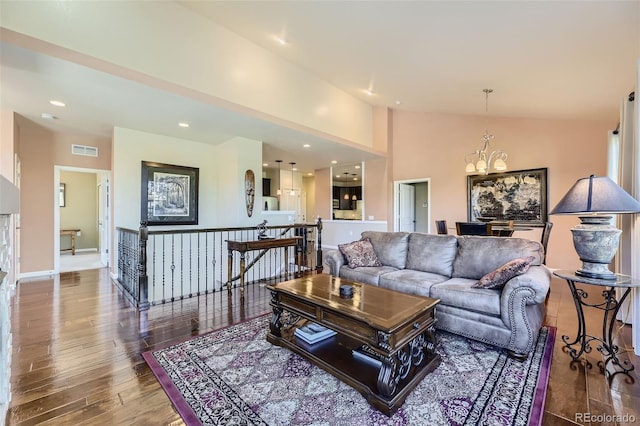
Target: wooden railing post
<point>143,279</point>
<point>319,266</point>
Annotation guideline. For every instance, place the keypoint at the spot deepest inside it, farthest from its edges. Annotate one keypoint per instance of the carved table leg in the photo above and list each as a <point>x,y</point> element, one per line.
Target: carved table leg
<point>397,367</point>
<point>275,324</point>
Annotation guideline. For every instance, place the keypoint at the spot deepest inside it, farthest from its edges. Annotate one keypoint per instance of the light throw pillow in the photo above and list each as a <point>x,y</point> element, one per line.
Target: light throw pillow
<point>359,253</point>
<point>498,278</point>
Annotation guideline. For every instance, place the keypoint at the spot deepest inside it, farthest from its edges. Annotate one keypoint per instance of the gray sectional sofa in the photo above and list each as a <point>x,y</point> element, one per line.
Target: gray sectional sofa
<point>445,267</point>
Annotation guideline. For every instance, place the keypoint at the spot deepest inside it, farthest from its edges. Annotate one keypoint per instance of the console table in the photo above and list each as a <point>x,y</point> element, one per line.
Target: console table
<point>72,233</point>
<point>244,246</point>
<point>610,306</point>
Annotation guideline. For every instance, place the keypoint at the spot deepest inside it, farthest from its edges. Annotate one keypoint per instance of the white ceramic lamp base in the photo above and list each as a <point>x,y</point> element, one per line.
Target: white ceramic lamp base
<point>596,242</point>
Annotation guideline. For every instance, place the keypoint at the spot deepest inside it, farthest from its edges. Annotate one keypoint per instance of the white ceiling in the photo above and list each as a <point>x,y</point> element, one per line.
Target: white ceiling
<point>544,59</point>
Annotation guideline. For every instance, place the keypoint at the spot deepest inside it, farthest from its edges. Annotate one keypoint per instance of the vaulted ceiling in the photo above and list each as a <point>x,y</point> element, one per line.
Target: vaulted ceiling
<point>543,59</point>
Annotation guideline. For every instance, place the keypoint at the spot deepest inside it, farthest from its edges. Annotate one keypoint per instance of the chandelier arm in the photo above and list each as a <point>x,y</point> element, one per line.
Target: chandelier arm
<point>498,153</point>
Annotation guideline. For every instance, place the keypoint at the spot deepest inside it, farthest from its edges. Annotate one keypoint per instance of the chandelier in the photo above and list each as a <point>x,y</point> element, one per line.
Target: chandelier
<point>482,160</point>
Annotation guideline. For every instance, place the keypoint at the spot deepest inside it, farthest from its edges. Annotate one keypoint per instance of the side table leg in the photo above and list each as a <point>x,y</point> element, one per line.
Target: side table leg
<point>608,348</point>
<point>581,336</point>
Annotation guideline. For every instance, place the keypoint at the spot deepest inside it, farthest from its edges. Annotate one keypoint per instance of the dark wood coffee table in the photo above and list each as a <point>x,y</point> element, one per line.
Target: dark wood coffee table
<point>396,328</point>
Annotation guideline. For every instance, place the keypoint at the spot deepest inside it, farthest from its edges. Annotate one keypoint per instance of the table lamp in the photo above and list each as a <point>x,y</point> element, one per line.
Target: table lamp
<point>595,238</point>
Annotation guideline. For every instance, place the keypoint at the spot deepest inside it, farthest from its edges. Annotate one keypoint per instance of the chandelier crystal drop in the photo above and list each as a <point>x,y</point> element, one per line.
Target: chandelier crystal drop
<point>483,160</point>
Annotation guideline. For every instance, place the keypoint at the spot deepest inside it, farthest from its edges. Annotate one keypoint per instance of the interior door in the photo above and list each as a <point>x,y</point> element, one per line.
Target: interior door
<point>103,218</point>
<point>406,208</point>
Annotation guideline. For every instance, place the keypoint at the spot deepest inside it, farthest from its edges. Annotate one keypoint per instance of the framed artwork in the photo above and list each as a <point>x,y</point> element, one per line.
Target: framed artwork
<point>62,201</point>
<point>519,195</point>
<point>169,194</point>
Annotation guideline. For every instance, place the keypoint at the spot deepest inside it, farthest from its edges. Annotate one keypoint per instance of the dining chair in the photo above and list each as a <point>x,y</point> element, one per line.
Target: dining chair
<point>545,239</point>
<point>473,228</point>
<point>441,227</point>
<point>502,232</point>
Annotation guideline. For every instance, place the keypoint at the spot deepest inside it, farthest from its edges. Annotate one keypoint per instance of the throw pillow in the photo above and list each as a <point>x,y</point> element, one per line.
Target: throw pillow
<point>498,278</point>
<point>359,253</point>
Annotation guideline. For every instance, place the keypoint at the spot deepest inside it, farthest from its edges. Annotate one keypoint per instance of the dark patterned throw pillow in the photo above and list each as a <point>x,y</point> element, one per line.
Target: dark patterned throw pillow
<point>359,253</point>
<point>498,278</point>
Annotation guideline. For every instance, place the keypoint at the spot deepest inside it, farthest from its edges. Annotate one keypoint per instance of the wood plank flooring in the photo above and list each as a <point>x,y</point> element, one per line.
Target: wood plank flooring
<point>77,345</point>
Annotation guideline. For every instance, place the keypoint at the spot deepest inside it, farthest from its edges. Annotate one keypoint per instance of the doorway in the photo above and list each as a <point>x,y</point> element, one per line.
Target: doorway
<point>82,227</point>
<point>412,207</point>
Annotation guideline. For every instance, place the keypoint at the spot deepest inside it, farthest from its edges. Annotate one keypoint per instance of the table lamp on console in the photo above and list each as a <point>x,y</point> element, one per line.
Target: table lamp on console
<point>595,239</point>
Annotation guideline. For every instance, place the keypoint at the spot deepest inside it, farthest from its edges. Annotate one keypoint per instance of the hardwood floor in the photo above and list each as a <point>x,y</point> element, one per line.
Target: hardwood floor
<point>77,345</point>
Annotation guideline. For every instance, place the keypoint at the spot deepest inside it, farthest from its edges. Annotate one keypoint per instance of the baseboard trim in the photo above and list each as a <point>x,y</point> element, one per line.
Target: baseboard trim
<point>36,274</point>
<point>68,251</point>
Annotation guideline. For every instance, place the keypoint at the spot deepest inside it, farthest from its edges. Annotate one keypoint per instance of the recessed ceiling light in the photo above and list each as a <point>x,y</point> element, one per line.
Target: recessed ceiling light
<point>369,92</point>
<point>357,167</point>
<point>57,103</point>
<point>334,161</point>
<point>265,164</point>
<point>295,169</point>
<point>281,40</point>
<point>182,124</point>
<point>48,116</point>
<point>306,145</point>
<point>398,102</point>
<point>309,174</point>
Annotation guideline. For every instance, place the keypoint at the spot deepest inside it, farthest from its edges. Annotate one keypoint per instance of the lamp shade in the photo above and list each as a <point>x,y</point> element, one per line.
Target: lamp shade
<point>596,195</point>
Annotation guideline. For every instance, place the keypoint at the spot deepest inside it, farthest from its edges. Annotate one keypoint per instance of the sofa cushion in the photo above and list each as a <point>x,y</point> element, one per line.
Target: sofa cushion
<point>359,253</point>
<point>477,256</point>
<point>367,275</point>
<point>409,281</point>
<point>498,278</point>
<point>432,253</point>
<point>390,247</point>
<point>459,292</point>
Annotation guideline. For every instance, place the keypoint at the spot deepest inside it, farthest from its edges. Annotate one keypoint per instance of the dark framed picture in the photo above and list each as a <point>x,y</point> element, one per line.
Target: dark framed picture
<point>519,195</point>
<point>169,194</point>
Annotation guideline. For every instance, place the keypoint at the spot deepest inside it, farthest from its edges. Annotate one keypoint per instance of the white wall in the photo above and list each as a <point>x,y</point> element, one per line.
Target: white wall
<point>233,158</point>
<point>131,147</point>
<point>336,232</point>
<point>195,54</point>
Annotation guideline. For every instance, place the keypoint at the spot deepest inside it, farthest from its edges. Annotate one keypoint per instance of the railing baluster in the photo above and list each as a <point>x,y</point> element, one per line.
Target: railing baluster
<point>141,262</point>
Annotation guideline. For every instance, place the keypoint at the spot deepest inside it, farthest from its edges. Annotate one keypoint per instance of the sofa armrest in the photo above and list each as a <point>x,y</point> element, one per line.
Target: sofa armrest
<point>522,306</point>
<point>537,279</point>
<point>335,260</point>
<point>528,289</point>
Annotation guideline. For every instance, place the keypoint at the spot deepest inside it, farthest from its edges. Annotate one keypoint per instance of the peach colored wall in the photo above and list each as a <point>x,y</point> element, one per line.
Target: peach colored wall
<point>376,190</point>
<point>434,145</point>
<point>381,128</point>
<point>323,193</point>
<point>7,130</point>
<point>40,151</point>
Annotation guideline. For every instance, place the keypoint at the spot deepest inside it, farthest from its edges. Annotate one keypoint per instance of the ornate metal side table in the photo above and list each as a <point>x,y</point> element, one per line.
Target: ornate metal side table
<point>611,305</point>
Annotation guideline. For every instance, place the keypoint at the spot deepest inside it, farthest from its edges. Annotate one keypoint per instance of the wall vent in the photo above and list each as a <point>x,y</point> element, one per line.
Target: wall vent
<point>88,151</point>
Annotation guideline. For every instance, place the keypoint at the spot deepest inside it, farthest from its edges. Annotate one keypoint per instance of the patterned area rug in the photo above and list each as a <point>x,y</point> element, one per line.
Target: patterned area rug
<point>234,376</point>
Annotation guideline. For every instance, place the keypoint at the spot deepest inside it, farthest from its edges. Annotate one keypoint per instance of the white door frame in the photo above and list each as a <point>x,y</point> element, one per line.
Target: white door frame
<point>104,218</point>
<point>56,208</point>
<point>396,200</point>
